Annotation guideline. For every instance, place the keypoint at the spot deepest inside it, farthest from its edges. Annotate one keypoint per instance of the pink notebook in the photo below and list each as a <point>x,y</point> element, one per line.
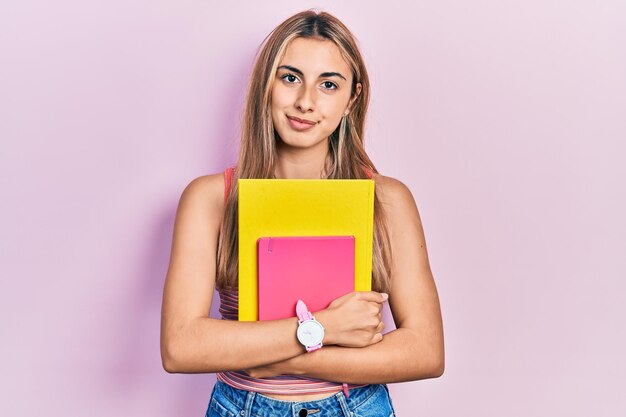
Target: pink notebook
<point>315,269</point>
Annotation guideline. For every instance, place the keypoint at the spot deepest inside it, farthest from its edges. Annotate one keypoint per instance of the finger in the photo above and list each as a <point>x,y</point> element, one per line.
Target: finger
<point>373,296</point>
<point>377,307</point>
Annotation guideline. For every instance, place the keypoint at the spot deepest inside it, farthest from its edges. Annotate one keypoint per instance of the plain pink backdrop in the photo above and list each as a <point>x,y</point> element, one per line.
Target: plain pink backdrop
<point>506,119</point>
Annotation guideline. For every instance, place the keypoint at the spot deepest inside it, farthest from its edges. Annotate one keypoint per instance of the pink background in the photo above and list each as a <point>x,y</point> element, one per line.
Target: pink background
<point>505,119</point>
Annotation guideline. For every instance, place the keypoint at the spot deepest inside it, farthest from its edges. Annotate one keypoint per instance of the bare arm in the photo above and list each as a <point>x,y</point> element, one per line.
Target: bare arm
<point>397,358</point>
<point>191,342</point>
<point>416,349</point>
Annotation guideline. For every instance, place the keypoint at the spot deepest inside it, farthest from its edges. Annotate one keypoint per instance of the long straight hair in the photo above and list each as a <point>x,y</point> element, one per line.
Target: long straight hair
<point>257,153</point>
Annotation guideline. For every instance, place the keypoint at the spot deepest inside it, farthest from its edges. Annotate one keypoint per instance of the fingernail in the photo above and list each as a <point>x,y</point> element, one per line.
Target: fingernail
<point>385,296</point>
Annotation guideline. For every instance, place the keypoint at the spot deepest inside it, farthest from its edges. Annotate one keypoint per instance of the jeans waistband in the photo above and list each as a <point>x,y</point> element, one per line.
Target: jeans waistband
<point>241,398</point>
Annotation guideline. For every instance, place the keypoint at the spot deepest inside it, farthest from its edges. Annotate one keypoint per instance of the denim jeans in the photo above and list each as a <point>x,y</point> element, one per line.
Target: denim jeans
<point>368,401</point>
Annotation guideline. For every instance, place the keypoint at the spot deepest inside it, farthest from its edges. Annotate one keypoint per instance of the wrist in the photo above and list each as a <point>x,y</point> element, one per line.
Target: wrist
<point>323,317</point>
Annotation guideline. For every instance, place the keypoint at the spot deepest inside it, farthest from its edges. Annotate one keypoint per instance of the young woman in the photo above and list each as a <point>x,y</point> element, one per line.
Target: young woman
<point>304,118</point>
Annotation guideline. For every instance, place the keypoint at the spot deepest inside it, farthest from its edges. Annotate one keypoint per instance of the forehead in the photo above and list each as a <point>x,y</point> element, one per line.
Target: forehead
<point>314,56</point>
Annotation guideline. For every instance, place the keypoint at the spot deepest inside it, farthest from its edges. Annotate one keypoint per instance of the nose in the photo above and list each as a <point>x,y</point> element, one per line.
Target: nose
<point>306,99</point>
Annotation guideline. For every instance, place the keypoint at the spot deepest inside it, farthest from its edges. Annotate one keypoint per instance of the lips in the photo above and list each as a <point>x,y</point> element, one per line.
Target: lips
<point>301,120</point>
<point>300,125</point>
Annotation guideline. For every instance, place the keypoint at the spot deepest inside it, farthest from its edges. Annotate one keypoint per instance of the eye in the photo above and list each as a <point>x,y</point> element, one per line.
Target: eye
<point>330,85</point>
<point>290,77</point>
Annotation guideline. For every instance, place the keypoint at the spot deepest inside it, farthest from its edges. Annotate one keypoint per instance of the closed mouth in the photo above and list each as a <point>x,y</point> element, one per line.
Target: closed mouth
<point>301,120</point>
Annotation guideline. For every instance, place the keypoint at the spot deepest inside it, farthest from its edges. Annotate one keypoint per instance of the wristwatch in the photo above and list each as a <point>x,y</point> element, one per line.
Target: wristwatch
<point>310,331</point>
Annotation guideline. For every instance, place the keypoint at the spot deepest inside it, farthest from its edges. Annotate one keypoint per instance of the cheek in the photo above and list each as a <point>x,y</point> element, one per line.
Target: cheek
<point>335,106</point>
<point>280,98</point>
<point>334,112</point>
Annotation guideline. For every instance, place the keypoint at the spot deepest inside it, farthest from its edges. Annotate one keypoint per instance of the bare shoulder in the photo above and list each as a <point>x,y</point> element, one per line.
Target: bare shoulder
<point>200,208</point>
<point>401,213</point>
<point>394,194</point>
<point>205,189</point>
<point>208,180</point>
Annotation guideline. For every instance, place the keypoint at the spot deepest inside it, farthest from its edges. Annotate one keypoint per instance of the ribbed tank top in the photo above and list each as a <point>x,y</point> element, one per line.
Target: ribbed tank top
<point>283,384</point>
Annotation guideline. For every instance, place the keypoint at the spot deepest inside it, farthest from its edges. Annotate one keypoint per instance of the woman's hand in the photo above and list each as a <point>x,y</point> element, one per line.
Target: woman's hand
<point>354,319</point>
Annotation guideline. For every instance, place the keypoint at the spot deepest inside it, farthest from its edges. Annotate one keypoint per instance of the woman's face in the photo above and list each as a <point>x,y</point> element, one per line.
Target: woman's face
<point>313,84</point>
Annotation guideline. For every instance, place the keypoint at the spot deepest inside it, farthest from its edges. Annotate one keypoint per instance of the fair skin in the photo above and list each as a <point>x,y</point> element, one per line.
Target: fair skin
<point>310,96</point>
<point>354,349</point>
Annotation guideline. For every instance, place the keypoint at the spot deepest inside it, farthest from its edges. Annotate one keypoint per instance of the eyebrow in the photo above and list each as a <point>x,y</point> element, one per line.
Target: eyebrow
<point>324,74</point>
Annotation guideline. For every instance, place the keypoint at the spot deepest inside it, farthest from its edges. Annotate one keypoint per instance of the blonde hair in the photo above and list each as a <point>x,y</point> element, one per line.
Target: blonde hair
<point>257,153</point>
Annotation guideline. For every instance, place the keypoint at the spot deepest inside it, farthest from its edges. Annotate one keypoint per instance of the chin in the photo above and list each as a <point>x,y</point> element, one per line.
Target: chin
<point>300,140</point>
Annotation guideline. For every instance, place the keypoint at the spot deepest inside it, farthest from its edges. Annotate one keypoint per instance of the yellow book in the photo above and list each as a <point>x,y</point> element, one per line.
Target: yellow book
<point>302,207</point>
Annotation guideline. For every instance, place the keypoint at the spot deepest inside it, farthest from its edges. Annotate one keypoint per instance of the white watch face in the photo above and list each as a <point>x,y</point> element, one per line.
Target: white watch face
<point>310,333</point>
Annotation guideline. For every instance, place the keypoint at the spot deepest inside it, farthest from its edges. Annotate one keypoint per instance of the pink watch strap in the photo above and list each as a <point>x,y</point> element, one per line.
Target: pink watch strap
<point>302,311</point>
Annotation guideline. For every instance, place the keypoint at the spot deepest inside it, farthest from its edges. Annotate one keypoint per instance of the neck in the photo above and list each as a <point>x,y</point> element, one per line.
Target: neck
<point>302,166</point>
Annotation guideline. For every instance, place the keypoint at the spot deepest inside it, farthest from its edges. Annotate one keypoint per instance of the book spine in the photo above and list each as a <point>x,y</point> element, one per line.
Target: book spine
<point>369,243</point>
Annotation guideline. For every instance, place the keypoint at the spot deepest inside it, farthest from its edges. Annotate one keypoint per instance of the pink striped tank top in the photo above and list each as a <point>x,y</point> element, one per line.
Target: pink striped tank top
<point>283,384</point>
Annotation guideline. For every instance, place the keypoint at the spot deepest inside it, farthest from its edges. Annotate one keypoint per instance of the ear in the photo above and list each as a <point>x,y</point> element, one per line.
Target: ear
<point>356,94</point>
